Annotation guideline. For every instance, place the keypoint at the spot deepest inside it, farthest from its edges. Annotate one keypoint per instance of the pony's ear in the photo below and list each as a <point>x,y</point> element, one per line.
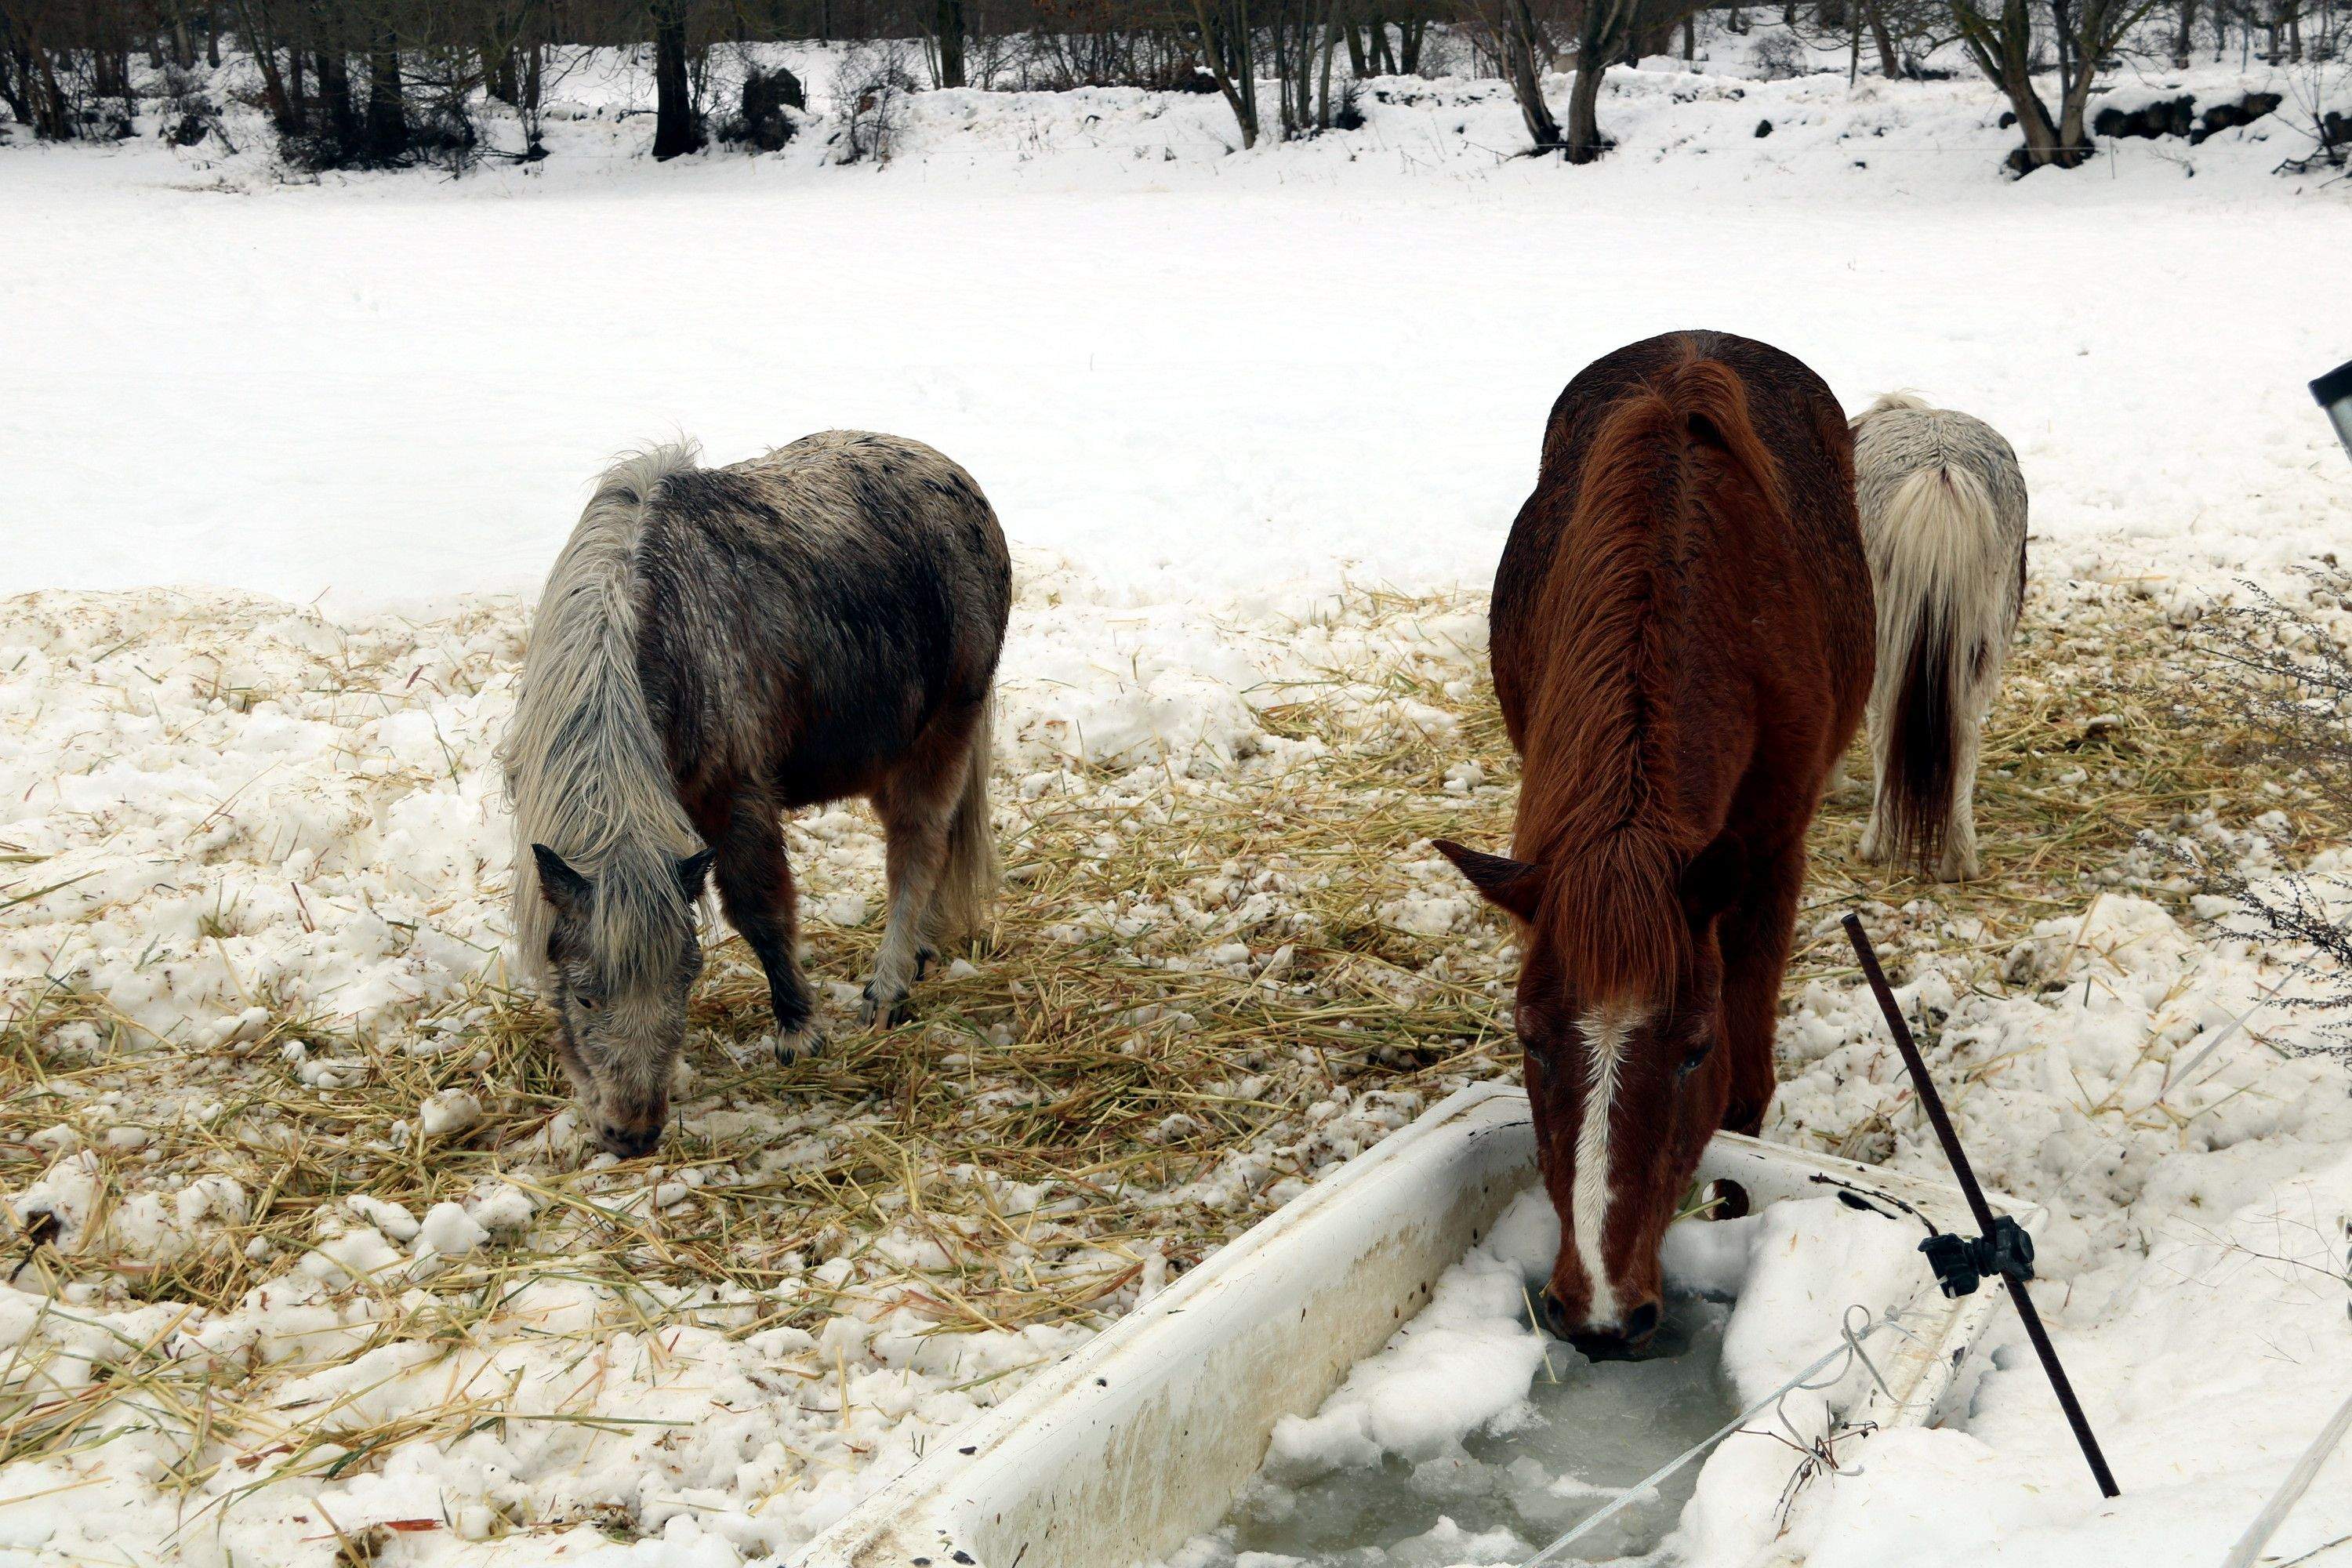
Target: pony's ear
<point>559,884</point>
<point>1712,879</point>
<point>692,872</point>
<point>1512,886</point>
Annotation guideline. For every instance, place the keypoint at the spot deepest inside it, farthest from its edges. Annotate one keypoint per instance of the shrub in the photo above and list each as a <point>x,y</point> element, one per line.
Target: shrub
<point>878,78</point>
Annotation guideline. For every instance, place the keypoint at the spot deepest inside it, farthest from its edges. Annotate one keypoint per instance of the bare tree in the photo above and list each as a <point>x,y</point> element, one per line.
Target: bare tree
<point>1226,35</point>
<point>1510,32</point>
<point>678,124</point>
<point>2001,43</point>
<point>1608,30</point>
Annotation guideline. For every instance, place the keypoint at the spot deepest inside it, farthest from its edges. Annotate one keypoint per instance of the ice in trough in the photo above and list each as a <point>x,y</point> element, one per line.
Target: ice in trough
<point>1590,1431</point>
<point>1372,1337</point>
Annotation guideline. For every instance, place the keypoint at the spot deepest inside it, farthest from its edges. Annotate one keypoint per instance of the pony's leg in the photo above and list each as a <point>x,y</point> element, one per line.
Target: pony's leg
<point>1959,861</point>
<point>1756,935</point>
<point>755,887</point>
<point>1878,839</point>
<point>916,804</point>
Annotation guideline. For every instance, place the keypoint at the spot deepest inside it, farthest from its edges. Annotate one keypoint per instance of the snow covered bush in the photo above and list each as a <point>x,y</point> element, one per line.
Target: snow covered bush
<point>772,101</point>
<point>877,77</point>
<point>2285,671</point>
<point>1779,57</point>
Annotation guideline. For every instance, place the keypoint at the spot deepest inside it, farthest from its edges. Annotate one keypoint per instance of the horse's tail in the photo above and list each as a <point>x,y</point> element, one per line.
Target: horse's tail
<point>968,880</point>
<point>1938,558</point>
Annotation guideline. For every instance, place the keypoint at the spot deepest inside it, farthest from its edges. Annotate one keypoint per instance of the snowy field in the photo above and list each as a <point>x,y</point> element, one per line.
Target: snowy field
<point>310,1264</point>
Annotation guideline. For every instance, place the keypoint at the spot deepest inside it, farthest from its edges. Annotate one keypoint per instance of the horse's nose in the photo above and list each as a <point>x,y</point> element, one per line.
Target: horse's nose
<point>1625,1340</point>
<point>630,1143</point>
<point>1556,1318</point>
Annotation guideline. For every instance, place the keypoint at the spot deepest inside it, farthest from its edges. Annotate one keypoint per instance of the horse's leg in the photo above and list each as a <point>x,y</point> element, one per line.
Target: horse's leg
<point>755,887</point>
<point>1959,862</point>
<point>1756,935</point>
<point>917,803</point>
<point>1878,839</point>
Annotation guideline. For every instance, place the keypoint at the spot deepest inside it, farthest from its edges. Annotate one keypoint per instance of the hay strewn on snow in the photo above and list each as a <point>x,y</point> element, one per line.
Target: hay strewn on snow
<point>322,1246</point>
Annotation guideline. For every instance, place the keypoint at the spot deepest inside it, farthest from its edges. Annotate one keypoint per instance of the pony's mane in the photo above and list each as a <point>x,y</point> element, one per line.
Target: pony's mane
<point>586,773</point>
<point>1598,808</point>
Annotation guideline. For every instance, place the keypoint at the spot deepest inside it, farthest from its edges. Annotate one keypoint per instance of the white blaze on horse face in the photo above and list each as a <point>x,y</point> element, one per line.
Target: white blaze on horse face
<point>1604,1032</point>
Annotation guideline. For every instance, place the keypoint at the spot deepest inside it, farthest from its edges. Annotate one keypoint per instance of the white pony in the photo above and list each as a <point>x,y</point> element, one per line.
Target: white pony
<point>1943,518</point>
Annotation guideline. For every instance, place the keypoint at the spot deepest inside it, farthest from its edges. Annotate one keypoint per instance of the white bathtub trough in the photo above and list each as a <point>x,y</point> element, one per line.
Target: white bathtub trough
<point>1142,1439</point>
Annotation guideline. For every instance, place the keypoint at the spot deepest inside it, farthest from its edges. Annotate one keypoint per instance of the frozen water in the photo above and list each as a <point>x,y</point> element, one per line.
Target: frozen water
<point>1594,1429</point>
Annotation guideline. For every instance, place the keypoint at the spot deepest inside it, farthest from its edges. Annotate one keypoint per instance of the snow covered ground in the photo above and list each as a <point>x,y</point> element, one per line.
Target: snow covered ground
<point>1196,374</point>
<point>287,455</point>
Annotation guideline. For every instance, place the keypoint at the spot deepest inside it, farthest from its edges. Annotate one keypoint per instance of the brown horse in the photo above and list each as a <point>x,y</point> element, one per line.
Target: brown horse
<point>1682,640</point>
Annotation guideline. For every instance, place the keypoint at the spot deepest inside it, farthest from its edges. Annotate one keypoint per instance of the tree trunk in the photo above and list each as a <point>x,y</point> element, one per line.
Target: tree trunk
<point>15,81</point>
<point>53,121</point>
<point>15,73</point>
<point>2003,50</point>
<point>37,99</point>
<point>1230,54</point>
<point>263,47</point>
<point>949,25</point>
<point>1330,47</point>
<point>2042,144</point>
<point>2182,38</point>
<point>1519,39</point>
<point>1889,65</point>
<point>1585,142</point>
<point>676,129</point>
<point>1604,28</point>
<point>335,97</point>
<point>386,133</point>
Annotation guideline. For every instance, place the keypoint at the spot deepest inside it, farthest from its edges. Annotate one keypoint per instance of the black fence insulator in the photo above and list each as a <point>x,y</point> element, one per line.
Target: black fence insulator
<point>1962,1262</point>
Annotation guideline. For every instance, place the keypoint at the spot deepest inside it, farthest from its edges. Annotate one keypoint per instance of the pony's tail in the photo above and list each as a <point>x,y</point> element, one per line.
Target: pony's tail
<point>1894,402</point>
<point>968,880</point>
<point>1936,556</point>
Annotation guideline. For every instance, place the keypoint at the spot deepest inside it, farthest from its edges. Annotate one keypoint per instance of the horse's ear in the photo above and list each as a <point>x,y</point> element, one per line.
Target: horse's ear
<point>1713,880</point>
<point>559,884</point>
<point>1512,886</point>
<point>692,871</point>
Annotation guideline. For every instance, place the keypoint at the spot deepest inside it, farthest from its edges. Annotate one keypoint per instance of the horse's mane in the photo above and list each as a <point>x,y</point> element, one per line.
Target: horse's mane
<point>586,771</point>
<point>1598,808</point>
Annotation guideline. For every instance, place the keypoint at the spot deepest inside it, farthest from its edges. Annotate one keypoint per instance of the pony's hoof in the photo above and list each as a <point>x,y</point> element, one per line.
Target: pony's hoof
<point>799,1045</point>
<point>886,1009</point>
